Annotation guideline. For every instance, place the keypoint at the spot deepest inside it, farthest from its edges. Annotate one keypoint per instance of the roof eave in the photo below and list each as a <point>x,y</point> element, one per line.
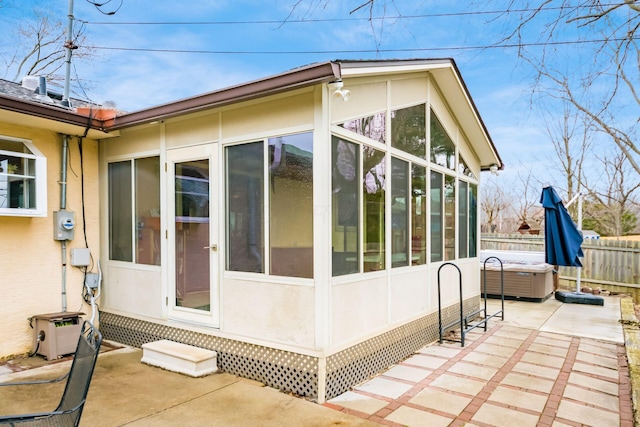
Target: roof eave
<point>293,79</point>
<point>44,111</point>
<point>356,68</point>
<point>78,123</point>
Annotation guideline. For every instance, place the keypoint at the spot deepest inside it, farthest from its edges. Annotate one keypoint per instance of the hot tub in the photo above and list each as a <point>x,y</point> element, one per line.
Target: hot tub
<point>526,275</point>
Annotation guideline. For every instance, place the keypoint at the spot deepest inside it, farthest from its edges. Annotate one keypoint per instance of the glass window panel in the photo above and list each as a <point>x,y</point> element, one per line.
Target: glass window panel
<point>449,218</point>
<point>17,180</point>
<point>373,127</point>
<point>120,211</point>
<point>17,192</point>
<point>463,214</point>
<point>245,207</point>
<point>147,198</point>
<point>442,148</point>
<point>373,184</point>
<point>437,222</point>
<point>399,213</point>
<point>464,169</point>
<point>473,220</point>
<point>291,205</point>
<point>19,186</point>
<point>418,215</point>
<point>16,165</point>
<point>345,202</point>
<point>15,146</point>
<point>408,131</point>
<point>192,234</point>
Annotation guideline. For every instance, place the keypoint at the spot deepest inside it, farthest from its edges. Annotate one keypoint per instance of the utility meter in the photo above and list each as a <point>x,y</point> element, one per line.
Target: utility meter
<point>63,225</point>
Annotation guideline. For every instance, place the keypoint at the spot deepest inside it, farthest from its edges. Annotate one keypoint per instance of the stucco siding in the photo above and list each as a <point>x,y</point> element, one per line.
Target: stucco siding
<point>31,279</point>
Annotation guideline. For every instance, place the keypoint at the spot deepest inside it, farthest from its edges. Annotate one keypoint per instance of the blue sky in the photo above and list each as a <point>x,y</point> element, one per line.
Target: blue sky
<point>139,64</point>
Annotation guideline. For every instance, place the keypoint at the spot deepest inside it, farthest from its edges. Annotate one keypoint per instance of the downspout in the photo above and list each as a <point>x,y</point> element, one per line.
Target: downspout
<point>63,206</point>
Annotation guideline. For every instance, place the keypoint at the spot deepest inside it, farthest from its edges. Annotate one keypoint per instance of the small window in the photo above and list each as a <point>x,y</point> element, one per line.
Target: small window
<point>399,213</point>
<point>473,220</point>
<point>373,127</point>
<point>345,203</point>
<point>408,131</point>
<point>134,211</point>
<point>464,169</point>
<point>418,215</point>
<point>443,149</point>
<point>437,213</point>
<point>270,206</point>
<point>449,218</point>
<point>463,219</point>
<point>373,190</point>
<point>23,184</point>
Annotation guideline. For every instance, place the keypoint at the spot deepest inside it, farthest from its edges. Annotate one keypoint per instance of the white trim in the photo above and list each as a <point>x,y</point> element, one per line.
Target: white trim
<point>39,178</point>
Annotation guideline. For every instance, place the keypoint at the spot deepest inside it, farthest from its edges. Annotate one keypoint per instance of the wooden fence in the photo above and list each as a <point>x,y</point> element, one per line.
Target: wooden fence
<point>613,265</point>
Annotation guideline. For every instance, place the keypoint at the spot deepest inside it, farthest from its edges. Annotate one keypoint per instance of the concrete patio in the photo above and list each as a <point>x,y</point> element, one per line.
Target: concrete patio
<point>546,364</point>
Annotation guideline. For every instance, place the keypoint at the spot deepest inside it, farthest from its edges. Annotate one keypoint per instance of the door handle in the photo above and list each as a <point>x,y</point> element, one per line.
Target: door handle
<point>213,247</point>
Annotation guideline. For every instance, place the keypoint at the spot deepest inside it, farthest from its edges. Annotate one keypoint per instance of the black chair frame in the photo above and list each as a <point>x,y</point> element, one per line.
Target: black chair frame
<point>74,397</point>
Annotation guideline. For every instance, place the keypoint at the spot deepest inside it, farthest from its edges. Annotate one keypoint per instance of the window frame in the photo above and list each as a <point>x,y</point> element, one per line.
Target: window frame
<point>135,225</point>
<point>39,177</point>
<point>267,236</point>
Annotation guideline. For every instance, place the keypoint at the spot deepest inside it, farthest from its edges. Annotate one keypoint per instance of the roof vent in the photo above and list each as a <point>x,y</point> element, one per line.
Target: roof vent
<point>42,91</point>
<point>30,82</point>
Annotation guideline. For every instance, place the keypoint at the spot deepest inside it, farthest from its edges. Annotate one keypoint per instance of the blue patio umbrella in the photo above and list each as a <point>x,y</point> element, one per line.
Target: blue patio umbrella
<point>562,243</point>
<point>562,236</point>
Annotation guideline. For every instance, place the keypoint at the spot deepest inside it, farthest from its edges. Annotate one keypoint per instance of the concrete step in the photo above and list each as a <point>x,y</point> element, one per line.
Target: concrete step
<point>182,358</point>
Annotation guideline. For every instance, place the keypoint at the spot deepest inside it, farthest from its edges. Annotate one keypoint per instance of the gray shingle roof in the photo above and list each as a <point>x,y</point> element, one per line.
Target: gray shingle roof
<point>16,90</point>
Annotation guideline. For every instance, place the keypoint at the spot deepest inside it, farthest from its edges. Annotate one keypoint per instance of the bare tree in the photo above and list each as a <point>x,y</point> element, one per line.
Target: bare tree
<point>603,89</point>
<point>571,138</point>
<point>527,195</point>
<point>40,49</point>
<point>612,197</point>
<point>494,202</point>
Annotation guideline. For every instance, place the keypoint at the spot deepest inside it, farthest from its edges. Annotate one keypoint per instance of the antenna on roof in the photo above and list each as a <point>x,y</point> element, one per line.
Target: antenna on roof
<point>68,44</point>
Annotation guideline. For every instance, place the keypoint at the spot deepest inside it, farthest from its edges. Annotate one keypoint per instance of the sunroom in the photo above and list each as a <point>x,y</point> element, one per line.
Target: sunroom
<point>296,224</point>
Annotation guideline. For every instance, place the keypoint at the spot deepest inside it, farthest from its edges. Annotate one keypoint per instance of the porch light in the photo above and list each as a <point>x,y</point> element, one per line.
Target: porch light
<point>336,87</point>
<point>494,169</point>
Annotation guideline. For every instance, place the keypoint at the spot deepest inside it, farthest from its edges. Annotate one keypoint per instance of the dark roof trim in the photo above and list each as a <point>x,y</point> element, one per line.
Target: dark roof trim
<point>35,109</point>
<point>293,79</point>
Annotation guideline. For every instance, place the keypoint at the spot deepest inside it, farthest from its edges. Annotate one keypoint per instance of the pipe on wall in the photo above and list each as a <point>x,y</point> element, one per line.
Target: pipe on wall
<point>63,206</point>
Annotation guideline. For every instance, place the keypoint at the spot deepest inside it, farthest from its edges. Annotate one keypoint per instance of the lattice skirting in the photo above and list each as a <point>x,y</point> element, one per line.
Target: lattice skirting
<point>288,371</point>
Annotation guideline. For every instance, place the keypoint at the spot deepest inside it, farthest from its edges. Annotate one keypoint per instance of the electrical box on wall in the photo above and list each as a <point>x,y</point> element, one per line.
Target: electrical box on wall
<point>80,257</point>
<point>92,280</point>
<point>63,225</point>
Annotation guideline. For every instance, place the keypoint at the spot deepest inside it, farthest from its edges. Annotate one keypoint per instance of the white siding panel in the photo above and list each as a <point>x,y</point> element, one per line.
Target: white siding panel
<point>133,291</point>
<point>268,311</point>
<point>359,309</point>
<point>366,99</point>
<point>408,92</point>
